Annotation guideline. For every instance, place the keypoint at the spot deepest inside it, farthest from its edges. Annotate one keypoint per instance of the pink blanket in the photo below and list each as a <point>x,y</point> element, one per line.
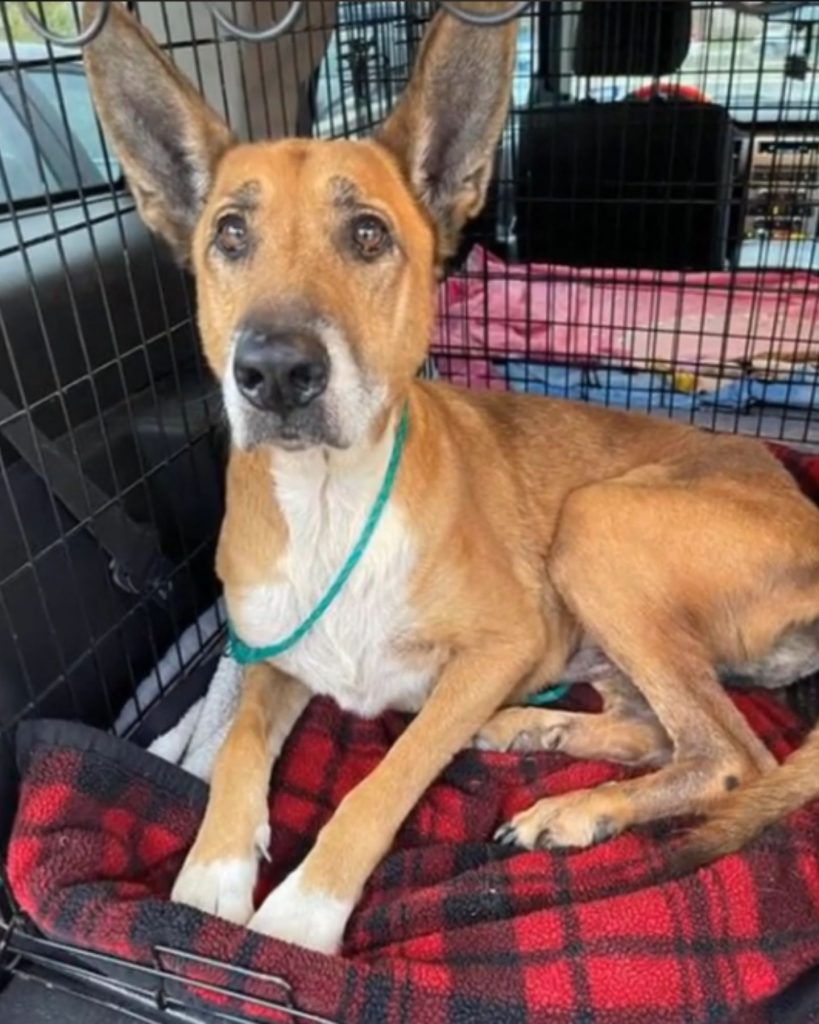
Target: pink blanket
<point>639,318</point>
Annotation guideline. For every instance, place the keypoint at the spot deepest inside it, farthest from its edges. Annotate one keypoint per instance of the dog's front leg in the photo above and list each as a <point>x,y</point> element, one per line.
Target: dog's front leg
<point>219,873</point>
<point>312,906</point>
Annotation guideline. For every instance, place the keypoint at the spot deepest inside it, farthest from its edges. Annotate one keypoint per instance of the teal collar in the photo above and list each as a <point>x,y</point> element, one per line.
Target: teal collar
<point>246,655</point>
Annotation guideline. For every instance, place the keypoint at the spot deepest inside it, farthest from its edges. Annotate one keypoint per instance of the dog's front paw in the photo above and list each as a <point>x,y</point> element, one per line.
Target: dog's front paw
<point>303,917</point>
<point>572,821</point>
<point>221,886</point>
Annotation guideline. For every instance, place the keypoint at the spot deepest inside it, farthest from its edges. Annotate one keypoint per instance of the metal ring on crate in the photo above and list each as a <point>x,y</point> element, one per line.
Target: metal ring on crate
<point>72,42</point>
<point>485,20</point>
<point>264,35</point>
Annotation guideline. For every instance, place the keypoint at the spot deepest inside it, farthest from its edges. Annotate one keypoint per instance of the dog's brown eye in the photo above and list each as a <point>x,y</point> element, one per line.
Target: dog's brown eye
<point>371,235</point>
<point>231,235</point>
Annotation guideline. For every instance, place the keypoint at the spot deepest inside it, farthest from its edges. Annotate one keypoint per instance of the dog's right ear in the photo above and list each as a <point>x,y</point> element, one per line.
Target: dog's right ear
<point>164,135</point>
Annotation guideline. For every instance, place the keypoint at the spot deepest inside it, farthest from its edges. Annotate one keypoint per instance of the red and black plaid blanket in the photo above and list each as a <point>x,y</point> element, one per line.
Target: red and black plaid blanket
<point>452,929</point>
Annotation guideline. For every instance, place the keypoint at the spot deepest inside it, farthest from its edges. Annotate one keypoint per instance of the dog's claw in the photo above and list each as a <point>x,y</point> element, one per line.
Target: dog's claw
<point>507,835</point>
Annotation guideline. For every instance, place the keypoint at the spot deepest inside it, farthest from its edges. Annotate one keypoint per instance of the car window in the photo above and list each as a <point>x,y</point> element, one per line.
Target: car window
<point>20,174</point>
<point>77,109</point>
<point>45,106</point>
<point>368,62</point>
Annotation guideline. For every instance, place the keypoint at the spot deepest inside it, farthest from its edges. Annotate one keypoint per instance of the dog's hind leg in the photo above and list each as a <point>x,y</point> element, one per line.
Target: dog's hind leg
<point>707,761</point>
<point>743,814</point>
<point>651,603</point>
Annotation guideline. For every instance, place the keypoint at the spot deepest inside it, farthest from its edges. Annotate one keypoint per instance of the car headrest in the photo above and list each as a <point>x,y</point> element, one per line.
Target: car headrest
<point>632,37</point>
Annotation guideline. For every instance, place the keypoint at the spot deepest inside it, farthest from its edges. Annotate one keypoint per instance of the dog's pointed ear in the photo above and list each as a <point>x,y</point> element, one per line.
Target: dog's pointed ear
<point>164,135</point>
<point>445,129</point>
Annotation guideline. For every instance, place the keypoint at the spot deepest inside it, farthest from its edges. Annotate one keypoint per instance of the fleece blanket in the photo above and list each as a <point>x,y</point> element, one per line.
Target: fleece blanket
<point>701,323</point>
<point>452,929</point>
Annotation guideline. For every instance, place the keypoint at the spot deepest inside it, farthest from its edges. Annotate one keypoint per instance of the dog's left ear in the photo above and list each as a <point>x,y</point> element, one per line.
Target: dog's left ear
<point>167,139</point>
<point>445,129</point>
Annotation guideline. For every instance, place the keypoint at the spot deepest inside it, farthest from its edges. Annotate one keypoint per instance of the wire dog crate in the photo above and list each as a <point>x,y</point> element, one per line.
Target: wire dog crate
<point>651,242</point>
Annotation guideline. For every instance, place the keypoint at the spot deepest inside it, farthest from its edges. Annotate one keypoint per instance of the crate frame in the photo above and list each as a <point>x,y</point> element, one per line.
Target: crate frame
<point>81,972</point>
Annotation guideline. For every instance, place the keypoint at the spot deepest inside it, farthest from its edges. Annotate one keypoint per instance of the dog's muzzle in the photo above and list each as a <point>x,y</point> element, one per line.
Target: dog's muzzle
<point>280,373</point>
<point>280,381</point>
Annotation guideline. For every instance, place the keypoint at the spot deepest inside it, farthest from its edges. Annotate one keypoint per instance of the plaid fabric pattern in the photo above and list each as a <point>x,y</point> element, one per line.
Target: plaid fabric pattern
<point>452,929</point>
<point>803,468</point>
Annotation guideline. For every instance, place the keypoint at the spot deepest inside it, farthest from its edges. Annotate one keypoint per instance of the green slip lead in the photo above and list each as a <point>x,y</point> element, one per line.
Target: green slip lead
<point>243,653</point>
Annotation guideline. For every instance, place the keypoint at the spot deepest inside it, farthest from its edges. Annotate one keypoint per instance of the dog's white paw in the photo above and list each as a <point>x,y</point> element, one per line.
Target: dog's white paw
<point>303,917</point>
<point>223,887</point>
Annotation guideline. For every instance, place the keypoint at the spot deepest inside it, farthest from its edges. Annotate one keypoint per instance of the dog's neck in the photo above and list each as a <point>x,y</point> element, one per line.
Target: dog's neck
<point>351,475</point>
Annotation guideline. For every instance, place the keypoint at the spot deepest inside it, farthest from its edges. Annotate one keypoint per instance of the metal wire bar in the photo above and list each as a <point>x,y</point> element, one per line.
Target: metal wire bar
<point>155,980</point>
<point>94,642</point>
<point>285,24</point>
<point>256,35</point>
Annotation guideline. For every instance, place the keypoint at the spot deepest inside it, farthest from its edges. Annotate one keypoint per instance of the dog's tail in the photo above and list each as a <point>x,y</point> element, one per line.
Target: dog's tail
<point>749,810</point>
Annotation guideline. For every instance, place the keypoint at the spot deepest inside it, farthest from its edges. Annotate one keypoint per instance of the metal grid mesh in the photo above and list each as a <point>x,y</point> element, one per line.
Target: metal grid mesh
<point>656,252</point>
<point>651,242</point>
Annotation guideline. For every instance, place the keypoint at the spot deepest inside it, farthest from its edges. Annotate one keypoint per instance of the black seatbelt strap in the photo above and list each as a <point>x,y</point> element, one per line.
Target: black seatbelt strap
<point>137,563</point>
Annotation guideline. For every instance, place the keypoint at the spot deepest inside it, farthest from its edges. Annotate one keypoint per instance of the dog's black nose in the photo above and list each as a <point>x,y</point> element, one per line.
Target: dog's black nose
<point>280,372</point>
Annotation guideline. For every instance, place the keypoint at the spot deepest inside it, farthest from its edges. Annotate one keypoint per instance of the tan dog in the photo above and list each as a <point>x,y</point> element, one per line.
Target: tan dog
<point>520,531</point>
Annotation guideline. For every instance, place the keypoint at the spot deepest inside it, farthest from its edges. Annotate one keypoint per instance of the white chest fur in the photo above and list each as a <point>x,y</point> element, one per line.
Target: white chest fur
<point>355,652</point>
